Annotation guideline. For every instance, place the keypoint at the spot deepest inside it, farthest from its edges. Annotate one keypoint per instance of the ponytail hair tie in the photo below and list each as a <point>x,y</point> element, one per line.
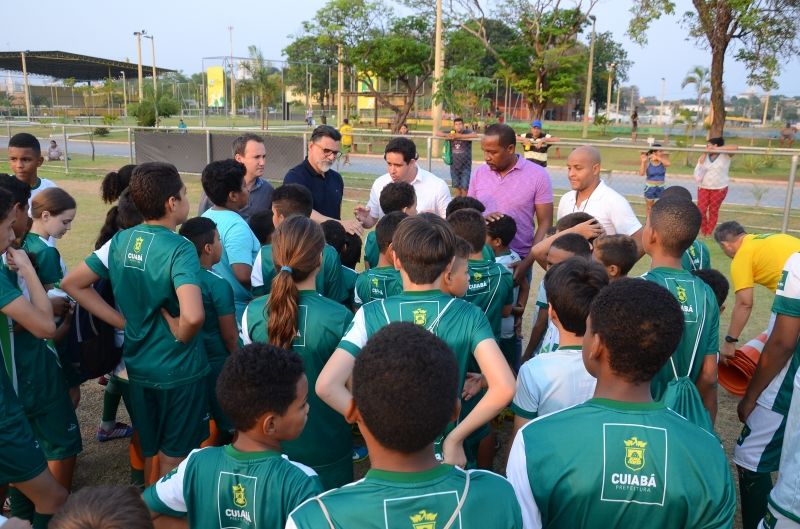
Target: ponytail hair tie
<point>286,269</point>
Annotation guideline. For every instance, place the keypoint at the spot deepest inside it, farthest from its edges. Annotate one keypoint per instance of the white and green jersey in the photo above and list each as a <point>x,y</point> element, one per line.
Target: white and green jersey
<point>145,265</point>
<point>552,382</point>
<point>349,278</point>
<point>378,283</point>
<point>321,323</point>
<point>696,257</point>
<point>491,287</point>
<point>785,495</point>
<point>217,301</point>
<point>221,488</point>
<point>371,251</point>
<point>701,326</point>
<point>506,259</point>
<point>620,464</point>
<point>50,268</point>
<point>414,500</point>
<point>330,282</point>
<point>551,336</point>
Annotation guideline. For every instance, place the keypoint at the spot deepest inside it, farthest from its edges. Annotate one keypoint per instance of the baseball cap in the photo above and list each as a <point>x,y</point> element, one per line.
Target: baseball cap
<point>537,124</point>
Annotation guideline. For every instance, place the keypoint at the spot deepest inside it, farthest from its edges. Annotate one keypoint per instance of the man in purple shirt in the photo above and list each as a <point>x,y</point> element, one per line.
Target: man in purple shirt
<point>510,184</point>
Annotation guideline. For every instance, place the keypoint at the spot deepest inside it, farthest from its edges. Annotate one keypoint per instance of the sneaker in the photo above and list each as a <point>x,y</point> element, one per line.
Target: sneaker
<point>360,453</point>
<point>103,380</point>
<point>120,431</point>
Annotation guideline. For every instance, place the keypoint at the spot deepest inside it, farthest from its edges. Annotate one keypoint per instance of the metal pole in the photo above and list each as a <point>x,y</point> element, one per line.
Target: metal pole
<point>124,94</point>
<point>233,77</point>
<point>438,67</point>
<point>27,89</point>
<point>766,108</point>
<point>619,91</point>
<point>130,146</point>
<point>155,77</point>
<point>305,143</point>
<point>789,192</point>
<point>139,53</point>
<point>66,149</point>
<point>430,154</point>
<point>608,91</point>
<point>588,98</point>
<point>208,146</point>
<point>340,87</point>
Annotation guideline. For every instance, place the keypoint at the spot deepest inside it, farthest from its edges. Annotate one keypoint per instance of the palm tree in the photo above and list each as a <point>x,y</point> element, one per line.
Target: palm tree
<point>263,81</point>
<point>700,77</point>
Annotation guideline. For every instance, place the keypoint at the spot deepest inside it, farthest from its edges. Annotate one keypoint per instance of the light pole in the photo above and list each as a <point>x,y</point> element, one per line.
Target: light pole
<point>438,63</point>
<point>124,93</point>
<point>663,93</point>
<point>233,76</point>
<point>139,53</point>
<point>155,78</point>
<point>587,100</point>
<point>608,94</point>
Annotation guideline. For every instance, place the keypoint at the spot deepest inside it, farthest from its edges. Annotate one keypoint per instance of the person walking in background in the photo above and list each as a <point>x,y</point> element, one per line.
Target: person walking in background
<point>634,124</point>
<point>712,174</point>
<point>346,130</point>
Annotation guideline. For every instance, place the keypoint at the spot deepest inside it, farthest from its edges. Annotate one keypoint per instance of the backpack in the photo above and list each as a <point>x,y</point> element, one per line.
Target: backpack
<point>447,153</point>
<point>92,340</point>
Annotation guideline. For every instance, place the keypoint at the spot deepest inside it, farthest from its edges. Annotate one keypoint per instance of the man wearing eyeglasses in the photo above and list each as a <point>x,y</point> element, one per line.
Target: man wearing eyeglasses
<point>316,174</point>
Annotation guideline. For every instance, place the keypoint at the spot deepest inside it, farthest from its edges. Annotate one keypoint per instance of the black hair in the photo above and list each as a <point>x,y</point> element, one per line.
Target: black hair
<point>325,131</point>
<point>551,231</point>
<point>458,119</point>
<point>200,231</point>
<point>115,182</point>
<point>261,224</point>
<point>20,191</point>
<point>718,141</point>
<point>346,121</point>
<point>334,234</point>
<point>463,248</point>
<point>152,185</point>
<point>6,202</point>
<point>639,341</point>
<point>505,134</point>
<point>351,253</point>
<point>425,245</point>
<point>403,146</point>
<point>386,227</point>
<point>397,196</point>
<point>728,231</point>
<point>23,140</point>
<point>571,286</point>
<point>571,220</point>
<point>221,178</point>
<point>503,228</point>
<point>293,199</point>
<point>240,143</point>
<point>677,192</point>
<point>260,378</point>
<point>619,250</point>
<point>463,203</point>
<point>405,386</point>
<point>121,216</point>
<point>677,223</point>
<point>718,283</point>
<point>574,244</point>
<point>470,225</point>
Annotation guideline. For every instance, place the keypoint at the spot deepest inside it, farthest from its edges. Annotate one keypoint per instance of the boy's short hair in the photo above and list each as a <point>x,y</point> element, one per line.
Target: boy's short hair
<point>152,184</point>
<point>571,220</point>
<point>200,231</point>
<point>103,507</point>
<point>464,203</point>
<point>470,225</point>
<point>504,228</point>
<point>504,133</point>
<point>398,357</point>
<point>717,142</point>
<point>325,131</point>
<point>260,378</point>
<point>728,231</point>
<point>571,286</point>
<point>639,341</point>
<point>677,192</point>
<point>425,245</point>
<point>240,143</point>
<point>458,119</point>
<point>20,191</point>
<point>23,140</point>
<point>404,146</point>
<point>619,250</point>
<point>293,199</point>
<point>221,178</point>
<point>7,202</point>
<point>261,224</point>
<point>334,234</point>
<point>463,249</point>
<point>397,196</point>
<point>718,283</point>
<point>351,253</point>
<point>574,244</point>
<point>677,223</point>
<point>551,231</point>
<point>386,228</point>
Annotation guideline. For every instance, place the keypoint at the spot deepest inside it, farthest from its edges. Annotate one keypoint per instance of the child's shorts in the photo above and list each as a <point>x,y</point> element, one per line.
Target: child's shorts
<point>21,459</point>
<point>57,431</point>
<point>653,192</point>
<point>758,447</point>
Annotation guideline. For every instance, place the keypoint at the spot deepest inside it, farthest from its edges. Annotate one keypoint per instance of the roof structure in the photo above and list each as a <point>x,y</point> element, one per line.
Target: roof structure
<point>63,65</point>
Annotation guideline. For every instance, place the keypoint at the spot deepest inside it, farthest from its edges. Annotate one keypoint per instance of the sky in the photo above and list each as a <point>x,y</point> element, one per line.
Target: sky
<point>185,32</point>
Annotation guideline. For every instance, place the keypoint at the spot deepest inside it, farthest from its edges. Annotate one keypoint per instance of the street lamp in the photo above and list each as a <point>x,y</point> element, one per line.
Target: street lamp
<point>155,78</point>
<point>588,99</point>
<point>139,53</point>
<point>124,93</point>
<point>611,68</point>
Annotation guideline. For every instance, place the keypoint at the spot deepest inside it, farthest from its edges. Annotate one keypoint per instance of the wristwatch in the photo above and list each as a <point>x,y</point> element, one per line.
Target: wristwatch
<point>731,339</point>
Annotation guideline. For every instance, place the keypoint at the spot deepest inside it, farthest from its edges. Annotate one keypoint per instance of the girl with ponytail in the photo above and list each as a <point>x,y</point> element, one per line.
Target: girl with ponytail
<point>294,315</point>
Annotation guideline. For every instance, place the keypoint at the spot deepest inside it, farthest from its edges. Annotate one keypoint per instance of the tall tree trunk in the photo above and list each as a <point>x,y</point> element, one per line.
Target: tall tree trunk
<point>717,91</point>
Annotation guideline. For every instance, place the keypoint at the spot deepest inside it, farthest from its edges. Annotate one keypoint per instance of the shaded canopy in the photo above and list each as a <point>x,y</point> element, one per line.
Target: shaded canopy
<point>63,65</point>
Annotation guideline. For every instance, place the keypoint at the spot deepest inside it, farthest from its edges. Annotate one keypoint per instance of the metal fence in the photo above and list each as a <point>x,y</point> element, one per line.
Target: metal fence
<point>761,194</point>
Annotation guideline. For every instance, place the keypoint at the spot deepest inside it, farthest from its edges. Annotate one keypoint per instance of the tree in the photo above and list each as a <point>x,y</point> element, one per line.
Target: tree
<point>462,92</point>
<point>765,31</point>
<point>264,81</point>
<point>698,76</point>
<point>308,55</point>
<point>606,52</point>
<point>464,50</point>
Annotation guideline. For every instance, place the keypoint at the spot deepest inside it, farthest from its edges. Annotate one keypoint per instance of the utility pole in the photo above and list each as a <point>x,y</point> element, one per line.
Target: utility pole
<point>155,78</point>
<point>438,63</point>
<point>233,76</point>
<point>588,99</point>
<point>619,91</point>
<point>340,86</point>
<point>766,108</point>
<point>139,53</point>
<point>124,93</point>
<point>608,94</point>
<point>27,89</point>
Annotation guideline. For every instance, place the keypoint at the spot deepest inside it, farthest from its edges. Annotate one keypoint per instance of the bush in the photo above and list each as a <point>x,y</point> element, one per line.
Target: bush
<point>101,131</point>
<point>145,112</point>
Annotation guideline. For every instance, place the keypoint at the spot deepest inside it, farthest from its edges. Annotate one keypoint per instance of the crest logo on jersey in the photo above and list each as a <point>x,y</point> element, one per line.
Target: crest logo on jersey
<point>691,251</point>
<point>137,245</point>
<point>420,316</point>
<point>681,292</point>
<point>477,276</point>
<point>424,520</point>
<point>375,282</point>
<point>239,497</point>
<point>634,453</point>
<point>137,249</point>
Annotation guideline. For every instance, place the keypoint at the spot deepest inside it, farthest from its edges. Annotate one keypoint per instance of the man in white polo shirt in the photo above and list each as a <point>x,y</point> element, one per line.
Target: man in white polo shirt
<point>433,195</point>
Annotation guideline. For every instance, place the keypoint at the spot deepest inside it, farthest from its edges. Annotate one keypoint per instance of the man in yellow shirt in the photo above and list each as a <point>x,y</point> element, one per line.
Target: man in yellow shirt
<point>757,259</point>
<point>346,131</point>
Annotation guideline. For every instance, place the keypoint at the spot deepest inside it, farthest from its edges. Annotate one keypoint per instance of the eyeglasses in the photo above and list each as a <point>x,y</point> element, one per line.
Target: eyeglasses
<point>328,153</point>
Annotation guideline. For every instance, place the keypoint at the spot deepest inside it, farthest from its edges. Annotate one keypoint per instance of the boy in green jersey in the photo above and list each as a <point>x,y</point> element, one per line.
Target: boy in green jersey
<point>620,459</point>
<point>25,158</point>
<point>407,486</point>
<point>617,253</point>
<point>154,275</point>
<point>473,203</point>
<point>455,279</point>
<point>248,483</point>
<point>294,199</point>
<point>383,279</point>
<point>423,248</point>
<point>696,256</point>
<point>220,331</point>
<point>395,197</point>
<point>670,228</point>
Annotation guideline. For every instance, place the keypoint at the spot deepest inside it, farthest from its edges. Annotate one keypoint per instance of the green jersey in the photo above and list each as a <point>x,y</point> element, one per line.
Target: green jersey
<point>620,464</point>
<point>491,287</point>
<point>487,254</point>
<point>217,301</point>
<point>330,282</point>
<point>145,265</point>
<point>378,283</point>
<point>414,500</point>
<point>221,487</point>
<point>321,324</point>
<point>696,257</point>
<point>9,291</point>
<point>349,277</point>
<point>371,251</point>
<point>49,266</point>
<point>701,326</point>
